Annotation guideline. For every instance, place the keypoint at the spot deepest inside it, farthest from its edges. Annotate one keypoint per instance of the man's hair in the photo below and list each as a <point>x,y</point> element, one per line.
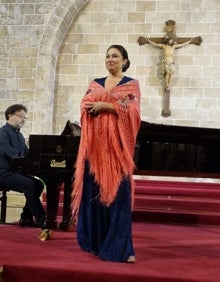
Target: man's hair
<point>13,109</point>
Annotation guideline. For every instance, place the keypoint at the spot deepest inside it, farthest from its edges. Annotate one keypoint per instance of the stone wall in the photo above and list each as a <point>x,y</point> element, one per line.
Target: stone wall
<point>194,97</point>
<point>50,50</point>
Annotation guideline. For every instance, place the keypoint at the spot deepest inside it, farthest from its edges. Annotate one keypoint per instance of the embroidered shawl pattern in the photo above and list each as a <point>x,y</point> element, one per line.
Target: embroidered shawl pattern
<point>108,141</point>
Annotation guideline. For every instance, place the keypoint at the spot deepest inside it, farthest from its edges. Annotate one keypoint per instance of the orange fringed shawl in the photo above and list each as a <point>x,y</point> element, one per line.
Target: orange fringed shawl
<point>108,141</point>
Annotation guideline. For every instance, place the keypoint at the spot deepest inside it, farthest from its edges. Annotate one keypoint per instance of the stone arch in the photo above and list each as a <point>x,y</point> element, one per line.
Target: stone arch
<point>63,15</point>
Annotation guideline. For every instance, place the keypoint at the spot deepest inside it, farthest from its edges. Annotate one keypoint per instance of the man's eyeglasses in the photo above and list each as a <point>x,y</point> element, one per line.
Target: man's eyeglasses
<point>22,117</point>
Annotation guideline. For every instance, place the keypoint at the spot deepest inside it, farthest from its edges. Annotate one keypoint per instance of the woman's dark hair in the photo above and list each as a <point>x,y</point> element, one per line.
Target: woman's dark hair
<point>124,54</point>
<point>13,109</point>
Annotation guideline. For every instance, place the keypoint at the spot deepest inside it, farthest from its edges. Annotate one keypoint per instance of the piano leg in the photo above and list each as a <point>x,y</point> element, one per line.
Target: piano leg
<point>66,222</point>
<point>53,195</point>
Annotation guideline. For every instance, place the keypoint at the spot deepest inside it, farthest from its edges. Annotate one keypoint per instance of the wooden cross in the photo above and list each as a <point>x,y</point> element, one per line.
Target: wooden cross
<point>168,43</point>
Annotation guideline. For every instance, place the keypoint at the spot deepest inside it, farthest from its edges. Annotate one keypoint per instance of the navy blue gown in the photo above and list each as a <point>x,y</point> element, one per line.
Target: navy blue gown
<point>105,231</point>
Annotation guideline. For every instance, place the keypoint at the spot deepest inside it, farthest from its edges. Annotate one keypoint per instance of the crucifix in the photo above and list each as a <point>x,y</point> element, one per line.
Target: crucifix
<point>168,44</point>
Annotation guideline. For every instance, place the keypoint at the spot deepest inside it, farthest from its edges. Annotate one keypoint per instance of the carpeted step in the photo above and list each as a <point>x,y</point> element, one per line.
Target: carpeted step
<point>178,188</point>
<point>211,193</point>
<point>179,202</point>
<point>177,217</point>
<point>174,184</point>
<point>172,201</point>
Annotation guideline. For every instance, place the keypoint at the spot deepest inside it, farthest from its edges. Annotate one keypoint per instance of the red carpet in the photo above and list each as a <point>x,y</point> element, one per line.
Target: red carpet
<point>165,253</point>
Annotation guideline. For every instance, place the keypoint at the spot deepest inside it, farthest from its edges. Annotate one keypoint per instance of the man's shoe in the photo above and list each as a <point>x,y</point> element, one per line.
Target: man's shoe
<point>44,234</point>
<point>27,223</point>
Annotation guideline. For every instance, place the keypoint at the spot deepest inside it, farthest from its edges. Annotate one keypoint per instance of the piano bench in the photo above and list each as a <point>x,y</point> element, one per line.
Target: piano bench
<point>3,201</point>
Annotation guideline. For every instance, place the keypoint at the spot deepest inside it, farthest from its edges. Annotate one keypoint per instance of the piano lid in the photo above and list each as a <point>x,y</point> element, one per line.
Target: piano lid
<point>172,133</point>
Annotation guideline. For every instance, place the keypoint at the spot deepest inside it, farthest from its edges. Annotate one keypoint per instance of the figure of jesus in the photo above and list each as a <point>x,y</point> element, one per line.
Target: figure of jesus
<point>168,61</point>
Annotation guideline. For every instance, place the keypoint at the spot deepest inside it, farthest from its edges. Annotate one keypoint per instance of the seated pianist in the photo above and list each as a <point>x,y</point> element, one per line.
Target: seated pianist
<point>12,145</point>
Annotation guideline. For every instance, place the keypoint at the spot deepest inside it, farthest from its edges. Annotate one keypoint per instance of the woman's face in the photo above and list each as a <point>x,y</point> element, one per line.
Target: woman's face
<point>114,61</point>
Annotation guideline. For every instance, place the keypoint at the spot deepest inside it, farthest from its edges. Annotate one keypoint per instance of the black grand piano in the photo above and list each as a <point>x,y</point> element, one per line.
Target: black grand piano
<point>169,150</point>
<point>52,158</point>
<point>162,150</point>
